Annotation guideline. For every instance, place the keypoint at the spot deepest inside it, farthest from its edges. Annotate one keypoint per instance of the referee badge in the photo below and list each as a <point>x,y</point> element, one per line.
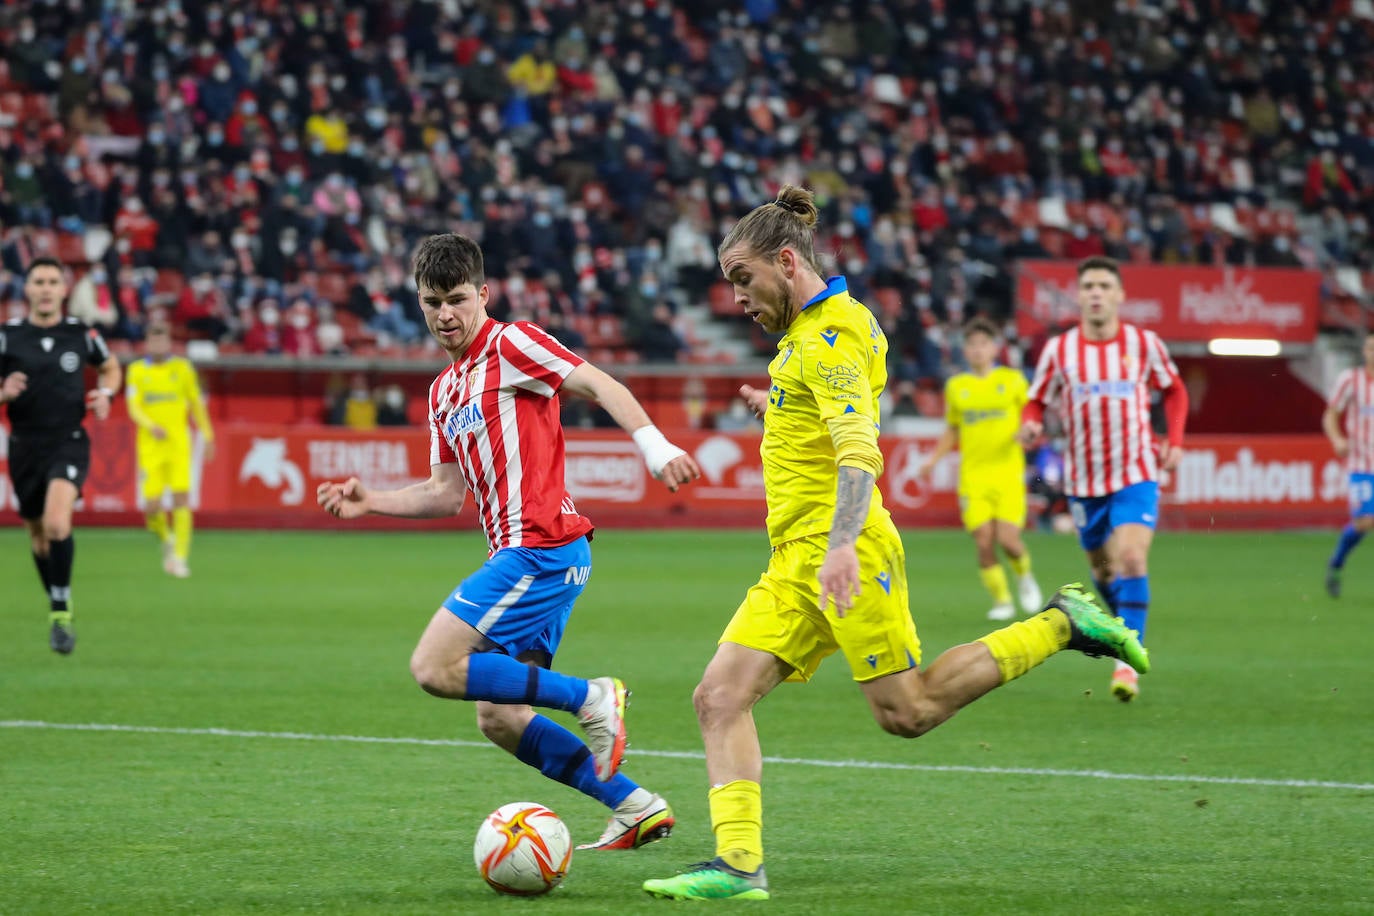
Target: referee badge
<point>69,362</point>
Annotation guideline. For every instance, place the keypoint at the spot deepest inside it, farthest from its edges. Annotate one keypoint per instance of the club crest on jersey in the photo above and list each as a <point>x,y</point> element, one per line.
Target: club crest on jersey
<point>843,380</point>
<point>465,421</point>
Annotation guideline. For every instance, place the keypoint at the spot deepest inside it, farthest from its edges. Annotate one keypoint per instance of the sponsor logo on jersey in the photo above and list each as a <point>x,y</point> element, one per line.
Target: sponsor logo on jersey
<point>1113,388</point>
<point>467,420</point>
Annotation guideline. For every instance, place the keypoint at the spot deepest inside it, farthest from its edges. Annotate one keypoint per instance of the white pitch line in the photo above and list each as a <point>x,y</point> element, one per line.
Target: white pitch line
<point>697,755</point>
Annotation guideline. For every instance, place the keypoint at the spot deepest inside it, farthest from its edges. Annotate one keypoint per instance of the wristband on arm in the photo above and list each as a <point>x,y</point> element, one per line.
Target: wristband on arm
<point>656,448</point>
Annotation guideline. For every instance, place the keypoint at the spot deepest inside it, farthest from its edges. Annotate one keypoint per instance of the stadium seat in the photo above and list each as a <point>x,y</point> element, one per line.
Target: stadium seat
<point>71,248</point>
<point>889,300</point>
<point>333,287</point>
<point>722,300</point>
<point>169,283</point>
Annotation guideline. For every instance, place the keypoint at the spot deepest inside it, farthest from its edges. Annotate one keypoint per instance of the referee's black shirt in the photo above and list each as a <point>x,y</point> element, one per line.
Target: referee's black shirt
<point>54,401</point>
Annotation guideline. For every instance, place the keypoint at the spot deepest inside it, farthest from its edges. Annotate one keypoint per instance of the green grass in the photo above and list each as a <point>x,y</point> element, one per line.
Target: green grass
<point>1258,676</point>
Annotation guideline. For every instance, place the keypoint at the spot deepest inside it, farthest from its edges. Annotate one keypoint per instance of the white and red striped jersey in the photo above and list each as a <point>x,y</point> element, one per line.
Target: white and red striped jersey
<point>1354,397</point>
<point>1102,389</point>
<point>495,413</point>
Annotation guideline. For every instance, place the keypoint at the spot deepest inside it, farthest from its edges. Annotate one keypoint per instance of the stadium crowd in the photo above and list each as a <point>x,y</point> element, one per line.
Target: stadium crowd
<point>262,170</point>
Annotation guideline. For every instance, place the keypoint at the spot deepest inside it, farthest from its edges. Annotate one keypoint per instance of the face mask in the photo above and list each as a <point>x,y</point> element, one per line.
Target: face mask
<point>222,73</point>
<point>23,170</point>
<point>649,289</point>
<point>214,138</point>
<point>269,317</point>
<point>250,108</point>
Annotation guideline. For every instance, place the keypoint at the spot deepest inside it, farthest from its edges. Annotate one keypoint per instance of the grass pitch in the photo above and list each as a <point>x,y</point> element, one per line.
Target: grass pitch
<point>256,743</point>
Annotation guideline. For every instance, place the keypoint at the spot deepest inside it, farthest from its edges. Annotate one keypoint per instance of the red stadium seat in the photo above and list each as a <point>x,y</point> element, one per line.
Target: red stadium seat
<point>71,248</point>
<point>38,107</point>
<point>333,287</point>
<point>722,299</point>
<point>169,283</point>
<point>889,300</point>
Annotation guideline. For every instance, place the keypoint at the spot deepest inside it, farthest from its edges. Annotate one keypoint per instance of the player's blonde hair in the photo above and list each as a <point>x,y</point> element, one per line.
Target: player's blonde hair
<point>787,222</point>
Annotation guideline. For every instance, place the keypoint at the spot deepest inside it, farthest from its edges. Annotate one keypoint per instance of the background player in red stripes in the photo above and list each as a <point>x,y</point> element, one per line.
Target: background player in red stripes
<point>1349,423</point>
<point>1099,374</point>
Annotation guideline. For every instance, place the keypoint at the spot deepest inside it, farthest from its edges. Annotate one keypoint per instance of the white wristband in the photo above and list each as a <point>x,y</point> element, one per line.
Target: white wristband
<point>656,448</point>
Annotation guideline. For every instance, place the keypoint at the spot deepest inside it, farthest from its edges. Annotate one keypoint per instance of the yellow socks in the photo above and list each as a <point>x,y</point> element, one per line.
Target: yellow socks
<point>737,819</point>
<point>157,524</point>
<point>181,532</point>
<point>1021,646</point>
<point>995,581</point>
<point>1020,565</point>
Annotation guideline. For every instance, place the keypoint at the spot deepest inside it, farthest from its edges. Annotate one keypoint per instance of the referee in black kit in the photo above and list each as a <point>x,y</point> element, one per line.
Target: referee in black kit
<point>41,381</point>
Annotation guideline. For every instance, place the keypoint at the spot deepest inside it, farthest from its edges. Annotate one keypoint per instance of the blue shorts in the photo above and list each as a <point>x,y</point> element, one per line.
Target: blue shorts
<point>1098,516</point>
<point>1361,495</point>
<point>522,597</point>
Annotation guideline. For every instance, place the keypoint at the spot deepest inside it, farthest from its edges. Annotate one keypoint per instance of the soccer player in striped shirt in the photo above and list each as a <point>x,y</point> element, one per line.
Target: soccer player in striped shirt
<point>495,433</point>
<point>1349,423</point>
<point>1100,373</point>
<point>836,578</point>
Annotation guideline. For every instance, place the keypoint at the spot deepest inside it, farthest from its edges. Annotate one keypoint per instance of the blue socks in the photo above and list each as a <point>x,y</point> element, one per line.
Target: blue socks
<point>1105,590</point>
<point>499,678</point>
<point>1349,538</point>
<point>560,755</point>
<point>1131,600</point>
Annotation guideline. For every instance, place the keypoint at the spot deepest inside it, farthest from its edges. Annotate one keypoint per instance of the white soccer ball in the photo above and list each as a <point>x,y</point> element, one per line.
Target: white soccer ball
<point>522,848</point>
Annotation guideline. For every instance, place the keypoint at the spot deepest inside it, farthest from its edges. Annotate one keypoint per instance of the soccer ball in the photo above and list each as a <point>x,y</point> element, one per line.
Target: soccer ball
<point>523,849</point>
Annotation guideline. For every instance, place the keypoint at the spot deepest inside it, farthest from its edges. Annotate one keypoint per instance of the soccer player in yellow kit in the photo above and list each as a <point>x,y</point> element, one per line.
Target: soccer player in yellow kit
<point>162,391</point>
<point>983,417</point>
<point>837,576</point>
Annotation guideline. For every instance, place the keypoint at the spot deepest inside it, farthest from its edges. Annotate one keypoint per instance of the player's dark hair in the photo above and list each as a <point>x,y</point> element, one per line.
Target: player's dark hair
<point>1100,262</point>
<point>445,261</point>
<point>979,324</point>
<point>158,327</point>
<point>787,222</point>
<point>44,262</point>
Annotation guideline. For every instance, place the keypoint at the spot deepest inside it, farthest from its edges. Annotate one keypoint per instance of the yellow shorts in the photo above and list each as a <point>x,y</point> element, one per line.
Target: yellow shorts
<point>162,468</point>
<point>780,615</point>
<point>1001,500</point>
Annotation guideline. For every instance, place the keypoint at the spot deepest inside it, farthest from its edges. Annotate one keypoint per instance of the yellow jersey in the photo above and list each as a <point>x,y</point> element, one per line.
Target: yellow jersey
<point>986,411</point>
<point>831,361</point>
<point>163,393</point>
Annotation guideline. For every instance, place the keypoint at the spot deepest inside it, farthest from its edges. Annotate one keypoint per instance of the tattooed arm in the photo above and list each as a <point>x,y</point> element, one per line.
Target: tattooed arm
<point>839,574</point>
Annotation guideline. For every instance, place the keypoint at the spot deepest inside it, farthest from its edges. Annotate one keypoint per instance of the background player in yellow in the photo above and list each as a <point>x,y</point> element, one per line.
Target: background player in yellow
<point>836,580</point>
<point>162,393</point>
<point>983,417</point>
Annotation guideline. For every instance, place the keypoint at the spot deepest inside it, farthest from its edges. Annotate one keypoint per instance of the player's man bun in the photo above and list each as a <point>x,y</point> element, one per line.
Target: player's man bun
<point>786,222</point>
<point>799,202</point>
